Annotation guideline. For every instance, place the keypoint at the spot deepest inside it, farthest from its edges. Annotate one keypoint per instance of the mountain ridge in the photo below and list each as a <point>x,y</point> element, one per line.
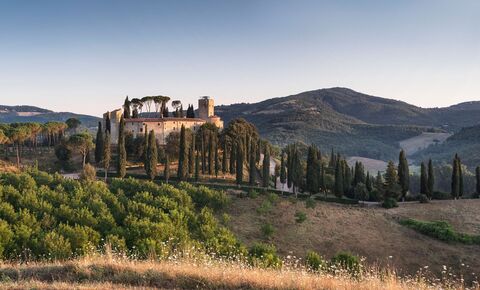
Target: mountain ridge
<point>355,123</point>
<point>26,113</point>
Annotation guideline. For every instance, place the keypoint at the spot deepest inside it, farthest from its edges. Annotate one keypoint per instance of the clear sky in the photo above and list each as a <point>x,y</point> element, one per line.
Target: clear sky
<point>86,56</point>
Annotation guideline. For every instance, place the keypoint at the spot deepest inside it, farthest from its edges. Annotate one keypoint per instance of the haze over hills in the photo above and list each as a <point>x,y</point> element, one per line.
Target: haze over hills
<point>355,123</point>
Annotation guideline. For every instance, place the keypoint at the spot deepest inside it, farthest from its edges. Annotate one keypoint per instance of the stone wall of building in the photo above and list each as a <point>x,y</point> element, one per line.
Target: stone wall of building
<point>163,126</point>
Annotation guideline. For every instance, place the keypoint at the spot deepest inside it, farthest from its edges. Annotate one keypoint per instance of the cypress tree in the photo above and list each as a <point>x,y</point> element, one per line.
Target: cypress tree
<point>182,166</point>
<point>283,171</point>
<point>368,182</point>
<point>358,174</point>
<point>332,162</point>
<point>191,161</point>
<point>204,159</point>
<point>338,180</point>
<point>247,148</point>
<point>233,157</point>
<point>423,179</point>
<point>378,181</point>
<point>460,170</point>
<point>166,170</point>
<point>224,158</point>
<point>152,156</point>
<point>266,167</point>
<point>455,192</point>
<point>106,154</point>
<point>191,155</point>
<point>239,163</point>
<point>197,167</point>
<point>258,151</point>
<point>145,148</point>
<point>251,166</point>
<point>122,153</point>
<point>108,125</point>
<point>312,170</point>
<point>347,177</point>
<point>297,174</point>
<point>210,154</point>
<point>322,182</point>
<point>217,162</point>
<point>99,144</point>
<point>431,179</point>
<point>404,174</point>
<point>289,167</point>
<point>126,108</point>
<point>477,177</point>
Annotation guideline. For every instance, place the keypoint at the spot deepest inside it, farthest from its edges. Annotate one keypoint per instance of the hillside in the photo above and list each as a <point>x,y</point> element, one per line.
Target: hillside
<point>18,114</point>
<point>370,232</point>
<point>466,143</point>
<point>356,124</point>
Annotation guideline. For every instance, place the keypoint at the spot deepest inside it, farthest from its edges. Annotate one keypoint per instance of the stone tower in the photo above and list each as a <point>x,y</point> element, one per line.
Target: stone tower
<point>205,108</point>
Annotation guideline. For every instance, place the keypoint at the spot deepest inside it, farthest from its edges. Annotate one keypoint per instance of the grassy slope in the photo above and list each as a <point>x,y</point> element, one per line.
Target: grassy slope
<point>370,232</point>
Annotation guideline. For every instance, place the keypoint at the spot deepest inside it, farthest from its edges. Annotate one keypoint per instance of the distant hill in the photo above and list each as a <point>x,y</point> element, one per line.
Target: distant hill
<point>356,124</point>
<point>15,114</point>
<point>466,143</point>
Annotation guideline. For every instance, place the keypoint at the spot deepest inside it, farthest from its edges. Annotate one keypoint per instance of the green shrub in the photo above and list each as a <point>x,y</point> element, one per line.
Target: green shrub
<point>441,195</point>
<point>6,235</point>
<point>310,203</point>
<point>375,195</point>
<point>300,217</point>
<point>48,216</point>
<point>264,207</point>
<point>226,218</point>
<point>314,262</point>
<point>267,230</point>
<point>440,230</point>
<point>203,196</point>
<point>252,193</point>
<point>57,246</point>
<point>264,256</point>
<point>390,203</point>
<point>423,198</point>
<point>272,197</point>
<point>347,262</point>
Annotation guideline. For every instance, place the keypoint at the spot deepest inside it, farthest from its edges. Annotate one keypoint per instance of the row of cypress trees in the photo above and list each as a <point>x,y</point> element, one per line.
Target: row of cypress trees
<point>291,170</point>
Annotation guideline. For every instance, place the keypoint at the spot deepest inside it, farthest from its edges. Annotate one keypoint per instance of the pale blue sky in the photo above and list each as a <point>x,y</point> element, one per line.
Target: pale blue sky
<point>86,56</point>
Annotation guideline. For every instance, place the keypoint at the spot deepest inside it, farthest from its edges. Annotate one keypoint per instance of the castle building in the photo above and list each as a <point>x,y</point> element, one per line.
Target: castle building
<point>162,127</point>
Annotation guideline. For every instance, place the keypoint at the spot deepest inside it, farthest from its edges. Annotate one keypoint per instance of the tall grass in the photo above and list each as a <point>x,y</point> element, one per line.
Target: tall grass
<point>109,271</point>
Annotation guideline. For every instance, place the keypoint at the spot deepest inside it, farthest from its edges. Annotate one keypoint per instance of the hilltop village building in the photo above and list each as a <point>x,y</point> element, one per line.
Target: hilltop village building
<point>162,127</point>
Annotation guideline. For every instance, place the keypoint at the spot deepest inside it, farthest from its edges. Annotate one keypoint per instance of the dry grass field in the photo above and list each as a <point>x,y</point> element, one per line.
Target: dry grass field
<point>107,273</point>
<point>370,232</point>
